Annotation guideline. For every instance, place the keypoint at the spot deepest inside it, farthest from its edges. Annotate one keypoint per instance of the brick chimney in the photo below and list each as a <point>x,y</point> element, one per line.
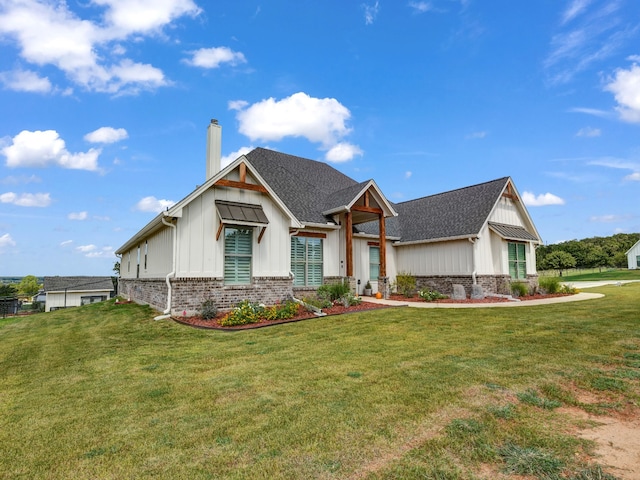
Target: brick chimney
<point>214,148</point>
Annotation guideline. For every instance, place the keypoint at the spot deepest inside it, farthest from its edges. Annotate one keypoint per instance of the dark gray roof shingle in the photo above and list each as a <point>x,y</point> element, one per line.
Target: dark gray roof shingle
<point>57,284</point>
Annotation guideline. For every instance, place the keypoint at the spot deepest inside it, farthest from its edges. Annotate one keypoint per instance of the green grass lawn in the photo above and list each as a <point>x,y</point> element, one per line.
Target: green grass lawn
<point>595,274</point>
<point>106,392</point>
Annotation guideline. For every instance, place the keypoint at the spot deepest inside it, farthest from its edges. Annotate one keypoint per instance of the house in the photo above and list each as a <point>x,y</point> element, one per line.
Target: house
<point>65,292</point>
<point>633,256</point>
<point>272,225</point>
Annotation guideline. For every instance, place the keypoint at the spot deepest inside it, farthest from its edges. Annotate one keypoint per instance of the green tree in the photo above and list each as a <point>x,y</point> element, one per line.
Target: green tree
<point>7,290</point>
<point>29,286</point>
<point>559,260</point>
<point>620,260</point>
<point>116,268</point>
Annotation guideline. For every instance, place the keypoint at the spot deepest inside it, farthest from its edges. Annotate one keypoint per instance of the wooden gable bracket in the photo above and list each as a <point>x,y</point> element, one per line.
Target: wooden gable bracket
<point>264,229</point>
<point>219,231</point>
<point>508,193</point>
<point>223,182</point>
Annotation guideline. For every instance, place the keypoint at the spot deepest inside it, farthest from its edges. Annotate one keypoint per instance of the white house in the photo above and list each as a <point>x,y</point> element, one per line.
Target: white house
<point>272,225</point>
<point>65,292</point>
<point>633,256</point>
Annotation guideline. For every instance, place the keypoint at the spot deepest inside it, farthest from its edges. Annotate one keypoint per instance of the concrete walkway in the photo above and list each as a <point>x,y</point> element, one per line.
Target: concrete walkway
<point>527,303</point>
<point>598,283</point>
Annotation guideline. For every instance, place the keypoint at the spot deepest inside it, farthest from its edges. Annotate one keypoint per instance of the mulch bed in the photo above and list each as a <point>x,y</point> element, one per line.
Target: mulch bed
<point>303,314</point>
<point>416,298</point>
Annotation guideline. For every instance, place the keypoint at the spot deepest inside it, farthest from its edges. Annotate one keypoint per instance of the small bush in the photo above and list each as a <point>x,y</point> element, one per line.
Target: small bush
<point>333,291</point>
<point>568,289</point>
<point>208,310</point>
<point>349,299</point>
<point>247,312</point>
<point>519,289</point>
<point>550,285</point>
<point>531,397</point>
<point>405,284</point>
<point>529,461</point>
<point>430,295</point>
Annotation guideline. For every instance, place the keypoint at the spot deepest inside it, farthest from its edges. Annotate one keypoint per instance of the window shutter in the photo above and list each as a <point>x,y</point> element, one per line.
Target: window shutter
<point>237,251</point>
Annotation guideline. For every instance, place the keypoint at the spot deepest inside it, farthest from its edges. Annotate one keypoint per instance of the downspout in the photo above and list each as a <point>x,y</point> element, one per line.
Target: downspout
<point>473,259</point>
<point>172,274</point>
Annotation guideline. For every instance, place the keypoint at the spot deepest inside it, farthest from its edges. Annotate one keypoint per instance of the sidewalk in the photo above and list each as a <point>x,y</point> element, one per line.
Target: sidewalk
<point>527,303</point>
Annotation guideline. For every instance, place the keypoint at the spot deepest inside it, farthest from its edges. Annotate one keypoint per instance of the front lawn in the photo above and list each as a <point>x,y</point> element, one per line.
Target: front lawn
<point>104,391</point>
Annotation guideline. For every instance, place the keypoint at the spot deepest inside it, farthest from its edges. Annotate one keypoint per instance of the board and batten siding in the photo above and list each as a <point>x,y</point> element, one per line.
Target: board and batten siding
<point>507,212</point>
<point>632,256</point>
<point>200,255</point>
<point>159,250</point>
<point>441,258</point>
<point>361,249</point>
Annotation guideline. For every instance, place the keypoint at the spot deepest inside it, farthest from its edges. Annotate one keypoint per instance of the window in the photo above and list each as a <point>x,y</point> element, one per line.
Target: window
<point>517,261</point>
<point>237,255</point>
<point>92,299</point>
<point>374,263</point>
<point>306,261</point>
<point>638,261</point>
<point>146,252</point>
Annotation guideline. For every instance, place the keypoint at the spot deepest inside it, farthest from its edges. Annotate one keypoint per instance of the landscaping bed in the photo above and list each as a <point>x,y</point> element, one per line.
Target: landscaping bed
<point>488,299</point>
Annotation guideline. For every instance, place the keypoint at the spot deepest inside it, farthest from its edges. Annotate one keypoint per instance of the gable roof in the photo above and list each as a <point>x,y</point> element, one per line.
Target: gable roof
<point>304,185</point>
<point>77,284</point>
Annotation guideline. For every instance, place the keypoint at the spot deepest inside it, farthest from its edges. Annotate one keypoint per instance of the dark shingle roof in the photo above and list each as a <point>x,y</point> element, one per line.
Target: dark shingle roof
<point>305,186</point>
<point>456,213</point>
<point>57,284</point>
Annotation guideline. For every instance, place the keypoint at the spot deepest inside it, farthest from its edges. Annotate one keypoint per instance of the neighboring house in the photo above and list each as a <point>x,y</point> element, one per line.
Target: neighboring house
<point>271,225</point>
<point>633,256</point>
<point>65,292</point>
<point>39,297</point>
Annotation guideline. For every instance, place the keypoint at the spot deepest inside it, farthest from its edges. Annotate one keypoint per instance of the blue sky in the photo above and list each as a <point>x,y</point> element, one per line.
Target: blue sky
<point>106,103</point>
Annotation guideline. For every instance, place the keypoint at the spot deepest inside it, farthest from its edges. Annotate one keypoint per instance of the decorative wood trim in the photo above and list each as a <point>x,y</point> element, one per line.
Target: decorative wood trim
<point>366,198</point>
<point>245,186</point>
<point>349,234</point>
<point>219,231</point>
<point>311,234</point>
<point>359,208</point>
<point>383,246</point>
<point>264,229</point>
<point>508,193</point>
<point>373,244</point>
<point>243,172</point>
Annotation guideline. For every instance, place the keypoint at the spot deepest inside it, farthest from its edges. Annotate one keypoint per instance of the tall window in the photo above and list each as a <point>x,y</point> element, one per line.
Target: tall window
<point>638,261</point>
<point>306,261</point>
<point>237,255</point>
<point>374,263</point>
<point>517,261</point>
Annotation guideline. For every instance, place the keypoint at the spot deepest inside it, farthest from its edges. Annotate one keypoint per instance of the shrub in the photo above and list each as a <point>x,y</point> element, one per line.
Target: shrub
<point>550,284</point>
<point>349,299</point>
<point>405,284</point>
<point>430,295</point>
<point>519,289</point>
<point>333,291</point>
<point>568,289</point>
<point>208,310</point>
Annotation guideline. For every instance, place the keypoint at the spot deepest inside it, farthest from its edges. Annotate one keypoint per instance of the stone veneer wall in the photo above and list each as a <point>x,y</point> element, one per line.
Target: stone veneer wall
<point>189,293</point>
<point>500,284</point>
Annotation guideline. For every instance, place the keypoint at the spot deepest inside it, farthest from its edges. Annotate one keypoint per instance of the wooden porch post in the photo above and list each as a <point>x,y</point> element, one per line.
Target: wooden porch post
<point>349,238</point>
<point>383,246</point>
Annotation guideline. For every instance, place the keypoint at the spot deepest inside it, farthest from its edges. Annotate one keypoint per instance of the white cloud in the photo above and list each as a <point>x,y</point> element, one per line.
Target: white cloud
<point>78,216</point>
<point>476,135</point>
<point>25,81</point>
<point>607,218</point>
<point>321,120</point>
<point>66,242</point>
<point>590,111</point>
<point>227,159</point>
<point>50,34</point>
<point>342,152</point>
<point>625,86</point>
<point>408,174</point>
<point>544,199</point>
<point>12,180</point>
<point>634,177</point>
<point>152,204</point>
<point>421,7</point>
<point>106,135</point>
<point>371,12</point>
<point>6,241</point>
<point>574,10</point>
<point>92,251</point>
<point>214,57</point>
<point>44,148</point>
<point>26,199</point>
<point>237,104</point>
<point>589,132</point>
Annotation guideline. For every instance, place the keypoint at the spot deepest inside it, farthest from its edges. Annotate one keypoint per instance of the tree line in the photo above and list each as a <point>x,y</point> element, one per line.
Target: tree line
<point>595,252</point>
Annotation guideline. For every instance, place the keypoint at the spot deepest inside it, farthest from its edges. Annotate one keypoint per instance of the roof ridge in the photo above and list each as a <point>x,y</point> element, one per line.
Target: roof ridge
<point>454,190</point>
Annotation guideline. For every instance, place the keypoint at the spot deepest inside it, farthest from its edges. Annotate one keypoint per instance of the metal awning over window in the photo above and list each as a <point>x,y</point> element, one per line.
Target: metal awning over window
<point>512,232</point>
<point>236,213</point>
